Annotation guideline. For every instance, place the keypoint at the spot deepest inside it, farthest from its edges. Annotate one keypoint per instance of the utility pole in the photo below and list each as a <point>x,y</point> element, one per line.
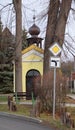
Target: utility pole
<point>18,46</point>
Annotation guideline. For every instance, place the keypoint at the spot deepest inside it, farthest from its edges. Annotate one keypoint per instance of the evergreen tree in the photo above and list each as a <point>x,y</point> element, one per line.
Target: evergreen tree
<point>6,74</point>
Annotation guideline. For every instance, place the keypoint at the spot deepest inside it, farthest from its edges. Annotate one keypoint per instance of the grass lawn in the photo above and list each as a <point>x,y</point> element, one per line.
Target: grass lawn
<point>3,98</point>
<point>46,117</point>
<point>21,109</point>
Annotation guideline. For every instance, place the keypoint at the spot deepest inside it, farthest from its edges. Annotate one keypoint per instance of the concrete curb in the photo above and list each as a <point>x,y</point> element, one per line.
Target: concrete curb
<point>21,117</point>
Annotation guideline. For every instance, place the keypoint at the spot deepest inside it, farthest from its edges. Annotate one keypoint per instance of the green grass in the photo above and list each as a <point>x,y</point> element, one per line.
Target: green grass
<point>54,123</point>
<point>3,98</point>
<point>21,109</point>
<point>46,117</point>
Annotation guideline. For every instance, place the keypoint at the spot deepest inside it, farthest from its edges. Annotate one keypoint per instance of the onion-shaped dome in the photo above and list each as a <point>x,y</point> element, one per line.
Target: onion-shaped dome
<point>34,30</point>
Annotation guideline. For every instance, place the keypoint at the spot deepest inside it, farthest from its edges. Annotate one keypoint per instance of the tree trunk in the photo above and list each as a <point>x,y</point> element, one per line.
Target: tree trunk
<point>57,18</point>
<point>51,25</point>
<point>18,55</point>
<point>62,20</point>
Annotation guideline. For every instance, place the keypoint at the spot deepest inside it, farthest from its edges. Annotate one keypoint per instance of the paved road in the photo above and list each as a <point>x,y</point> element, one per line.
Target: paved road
<point>13,123</point>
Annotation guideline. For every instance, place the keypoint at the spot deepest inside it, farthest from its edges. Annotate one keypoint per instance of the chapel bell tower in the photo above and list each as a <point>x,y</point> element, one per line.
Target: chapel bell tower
<point>34,31</point>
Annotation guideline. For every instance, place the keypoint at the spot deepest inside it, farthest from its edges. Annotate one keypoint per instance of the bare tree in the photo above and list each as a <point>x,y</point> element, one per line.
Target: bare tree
<point>57,18</point>
<point>18,56</point>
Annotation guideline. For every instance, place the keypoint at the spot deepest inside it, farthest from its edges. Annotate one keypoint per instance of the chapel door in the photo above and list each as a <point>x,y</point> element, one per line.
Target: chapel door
<point>32,83</point>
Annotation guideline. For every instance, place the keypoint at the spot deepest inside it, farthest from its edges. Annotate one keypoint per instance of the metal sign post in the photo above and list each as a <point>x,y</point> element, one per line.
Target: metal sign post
<point>54,88</point>
<point>55,63</point>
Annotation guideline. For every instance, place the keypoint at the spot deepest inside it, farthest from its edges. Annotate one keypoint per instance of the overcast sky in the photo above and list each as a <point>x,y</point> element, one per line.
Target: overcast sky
<point>28,7</point>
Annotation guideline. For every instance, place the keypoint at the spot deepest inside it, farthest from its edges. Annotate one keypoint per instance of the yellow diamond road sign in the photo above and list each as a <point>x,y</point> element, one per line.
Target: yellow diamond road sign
<point>55,49</point>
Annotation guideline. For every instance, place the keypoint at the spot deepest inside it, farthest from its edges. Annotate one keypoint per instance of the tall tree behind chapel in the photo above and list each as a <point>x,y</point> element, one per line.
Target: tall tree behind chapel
<point>57,18</point>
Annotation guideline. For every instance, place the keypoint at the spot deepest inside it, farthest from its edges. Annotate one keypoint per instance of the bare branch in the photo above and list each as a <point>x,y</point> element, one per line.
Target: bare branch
<point>69,48</point>
<point>5,6</point>
<point>73,9</point>
<point>70,37</point>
